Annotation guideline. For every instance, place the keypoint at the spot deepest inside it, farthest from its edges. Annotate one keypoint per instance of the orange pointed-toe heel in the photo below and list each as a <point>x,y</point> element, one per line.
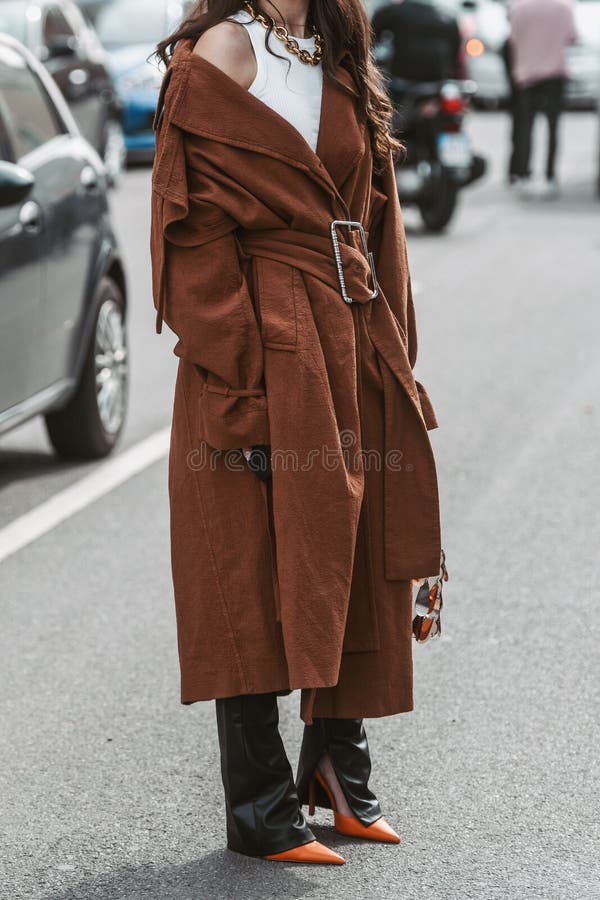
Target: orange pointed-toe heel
<point>313,852</point>
<point>379,830</point>
<point>344,742</point>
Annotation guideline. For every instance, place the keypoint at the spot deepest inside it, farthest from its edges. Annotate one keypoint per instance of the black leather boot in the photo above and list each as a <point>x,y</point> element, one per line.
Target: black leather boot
<point>345,741</point>
<point>263,812</point>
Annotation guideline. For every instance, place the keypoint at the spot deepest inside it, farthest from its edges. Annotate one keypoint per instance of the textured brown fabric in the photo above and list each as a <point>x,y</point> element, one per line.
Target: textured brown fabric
<point>303,582</point>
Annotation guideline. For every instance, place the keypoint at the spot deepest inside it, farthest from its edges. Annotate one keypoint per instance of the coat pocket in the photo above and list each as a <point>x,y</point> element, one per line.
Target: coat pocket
<point>276,286</point>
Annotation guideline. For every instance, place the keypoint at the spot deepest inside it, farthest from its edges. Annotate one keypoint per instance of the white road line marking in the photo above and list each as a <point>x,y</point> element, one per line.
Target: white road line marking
<point>77,496</point>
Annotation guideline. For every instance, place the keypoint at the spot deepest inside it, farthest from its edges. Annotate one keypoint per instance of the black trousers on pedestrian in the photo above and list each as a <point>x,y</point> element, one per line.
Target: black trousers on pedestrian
<point>545,97</point>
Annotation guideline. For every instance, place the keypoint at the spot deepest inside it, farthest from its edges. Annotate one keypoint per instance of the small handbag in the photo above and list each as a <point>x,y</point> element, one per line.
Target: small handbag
<point>427,604</point>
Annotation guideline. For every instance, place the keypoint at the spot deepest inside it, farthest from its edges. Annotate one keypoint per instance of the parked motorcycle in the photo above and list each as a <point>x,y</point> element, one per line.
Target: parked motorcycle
<point>438,160</point>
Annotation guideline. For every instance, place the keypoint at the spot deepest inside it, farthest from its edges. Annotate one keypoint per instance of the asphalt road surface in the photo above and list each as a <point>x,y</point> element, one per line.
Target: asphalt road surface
<point>110,789</point>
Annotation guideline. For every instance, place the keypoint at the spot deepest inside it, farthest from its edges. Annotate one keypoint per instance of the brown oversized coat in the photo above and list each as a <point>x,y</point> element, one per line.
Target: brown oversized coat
<point>303,582</point>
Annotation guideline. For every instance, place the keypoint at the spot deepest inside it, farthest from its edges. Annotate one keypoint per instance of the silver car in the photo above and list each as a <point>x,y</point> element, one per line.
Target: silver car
<point>63,298</point>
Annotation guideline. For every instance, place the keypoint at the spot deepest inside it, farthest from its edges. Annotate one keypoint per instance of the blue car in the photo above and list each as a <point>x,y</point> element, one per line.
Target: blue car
<point>59,36</point>
<point>129,31</point>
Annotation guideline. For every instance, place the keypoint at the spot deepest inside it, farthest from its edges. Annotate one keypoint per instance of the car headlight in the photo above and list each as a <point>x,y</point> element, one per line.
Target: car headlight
<point>145,77</point>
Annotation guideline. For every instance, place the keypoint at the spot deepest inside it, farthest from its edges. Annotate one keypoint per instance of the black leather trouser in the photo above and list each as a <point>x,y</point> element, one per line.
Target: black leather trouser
<point>261,801</point>
<point>345,740</point>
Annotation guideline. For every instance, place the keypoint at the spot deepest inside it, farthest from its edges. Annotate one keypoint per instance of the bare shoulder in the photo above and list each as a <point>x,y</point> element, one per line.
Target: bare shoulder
<point>227,46</point>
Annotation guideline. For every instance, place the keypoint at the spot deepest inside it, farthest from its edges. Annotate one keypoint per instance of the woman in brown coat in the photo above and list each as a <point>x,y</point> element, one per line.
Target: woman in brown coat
<point>302,483</point>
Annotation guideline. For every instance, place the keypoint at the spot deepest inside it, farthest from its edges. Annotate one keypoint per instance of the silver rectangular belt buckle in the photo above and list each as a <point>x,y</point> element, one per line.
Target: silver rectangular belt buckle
<point>338,256</point>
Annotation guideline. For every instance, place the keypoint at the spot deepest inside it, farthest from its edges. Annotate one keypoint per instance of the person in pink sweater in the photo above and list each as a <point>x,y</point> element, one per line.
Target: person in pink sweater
<point>541,31</point>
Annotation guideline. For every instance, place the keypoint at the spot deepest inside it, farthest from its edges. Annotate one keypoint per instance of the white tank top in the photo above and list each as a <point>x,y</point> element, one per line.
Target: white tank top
<point>294,90</point>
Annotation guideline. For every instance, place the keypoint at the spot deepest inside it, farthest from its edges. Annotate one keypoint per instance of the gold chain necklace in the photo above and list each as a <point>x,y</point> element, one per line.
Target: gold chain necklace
<point>292,45</point>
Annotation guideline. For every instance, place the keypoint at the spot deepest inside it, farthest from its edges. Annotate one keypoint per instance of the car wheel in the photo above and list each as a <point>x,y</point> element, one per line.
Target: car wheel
<point>90,425</point>
<point>113,152</point>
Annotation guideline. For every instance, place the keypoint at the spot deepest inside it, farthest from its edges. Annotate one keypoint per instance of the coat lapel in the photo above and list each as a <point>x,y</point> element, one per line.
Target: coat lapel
<point>341,142</point>
<point>209,103</point>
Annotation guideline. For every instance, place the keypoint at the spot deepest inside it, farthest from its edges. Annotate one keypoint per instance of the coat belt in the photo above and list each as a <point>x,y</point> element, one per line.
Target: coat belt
<point>411,544</point>
<point>312,253</point>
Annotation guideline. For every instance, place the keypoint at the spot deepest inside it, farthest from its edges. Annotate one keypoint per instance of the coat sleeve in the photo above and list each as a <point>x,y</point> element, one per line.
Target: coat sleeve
<point>199,285</point>
<point>388,243</point>
<point>201,291</point>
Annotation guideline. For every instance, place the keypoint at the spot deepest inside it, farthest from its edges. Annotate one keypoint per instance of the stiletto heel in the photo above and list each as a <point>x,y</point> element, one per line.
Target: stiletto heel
<point>379,830</point>
<point>345,742</point>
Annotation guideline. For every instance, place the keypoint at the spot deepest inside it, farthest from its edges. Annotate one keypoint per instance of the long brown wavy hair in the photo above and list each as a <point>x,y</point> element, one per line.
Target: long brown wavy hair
<point>343,25</point>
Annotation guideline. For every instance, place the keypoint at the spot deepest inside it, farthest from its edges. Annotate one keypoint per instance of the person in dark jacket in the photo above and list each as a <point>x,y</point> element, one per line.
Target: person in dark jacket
<point>426,40</point>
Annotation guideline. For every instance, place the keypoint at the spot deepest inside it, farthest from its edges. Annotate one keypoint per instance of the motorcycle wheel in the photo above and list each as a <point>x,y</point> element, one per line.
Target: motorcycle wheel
<point>437,210</point>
